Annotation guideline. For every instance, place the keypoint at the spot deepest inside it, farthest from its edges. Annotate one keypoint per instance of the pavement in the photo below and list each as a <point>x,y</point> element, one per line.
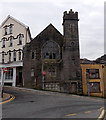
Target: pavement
<point>5,97</point>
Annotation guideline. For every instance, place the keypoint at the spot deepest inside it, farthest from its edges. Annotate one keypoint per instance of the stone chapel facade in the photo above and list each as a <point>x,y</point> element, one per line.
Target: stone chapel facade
<point>52,60</point>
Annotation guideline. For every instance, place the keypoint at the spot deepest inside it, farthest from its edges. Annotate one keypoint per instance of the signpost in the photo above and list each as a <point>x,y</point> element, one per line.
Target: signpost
<point>43,79</point>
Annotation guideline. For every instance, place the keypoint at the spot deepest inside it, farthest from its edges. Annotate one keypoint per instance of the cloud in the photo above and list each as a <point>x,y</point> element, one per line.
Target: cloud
<point>37,14</point>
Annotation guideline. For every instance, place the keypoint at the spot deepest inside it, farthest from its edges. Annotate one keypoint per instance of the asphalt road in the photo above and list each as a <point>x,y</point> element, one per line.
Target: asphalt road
<point>39,104</point>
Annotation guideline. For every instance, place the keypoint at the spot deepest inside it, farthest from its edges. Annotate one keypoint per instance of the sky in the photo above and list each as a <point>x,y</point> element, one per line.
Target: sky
<point>37,14</point>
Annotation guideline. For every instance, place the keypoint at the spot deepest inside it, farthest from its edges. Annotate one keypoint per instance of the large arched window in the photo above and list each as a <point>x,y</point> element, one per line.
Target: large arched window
<point>50,50</point>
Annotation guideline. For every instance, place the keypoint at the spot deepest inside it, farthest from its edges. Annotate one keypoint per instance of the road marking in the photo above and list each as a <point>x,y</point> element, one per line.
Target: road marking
<point>87,112</point>
<point>12,98</point>
<point>71,114</point>
<point>102,114</point>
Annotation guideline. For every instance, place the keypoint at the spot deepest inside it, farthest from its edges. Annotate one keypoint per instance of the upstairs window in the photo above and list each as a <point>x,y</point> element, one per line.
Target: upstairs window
<point>92,73</point>
<point>10,28</point>
<point>11,42</point>
<point>32,55</point>
<point>5,30</point>
<point>14,56</point>
<point>3,43</point>
<point>19,55</point>
<point>20,40</point>
<point>50,55</point>
<point>9,56</point>
<point>2,57</point>
<point>50,50</point>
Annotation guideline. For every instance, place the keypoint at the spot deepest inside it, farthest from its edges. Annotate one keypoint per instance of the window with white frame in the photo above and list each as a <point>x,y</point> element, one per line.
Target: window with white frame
<point>9,74</point>
<point>19,54</point>
<point>5,30</point>
<point>9,56</point>
<point>3,43</point>
<point>10,28</point>
<point>2,57</point>
<point>14,55</point>
<point>11,41</point>
<point>20,39</point>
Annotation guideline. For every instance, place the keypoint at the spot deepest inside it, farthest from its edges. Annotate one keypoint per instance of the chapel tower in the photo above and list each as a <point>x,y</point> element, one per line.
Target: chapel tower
<point>71,55</point>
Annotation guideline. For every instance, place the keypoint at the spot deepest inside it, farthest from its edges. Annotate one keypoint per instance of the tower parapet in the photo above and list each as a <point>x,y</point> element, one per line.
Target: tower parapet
<point>71,15</point>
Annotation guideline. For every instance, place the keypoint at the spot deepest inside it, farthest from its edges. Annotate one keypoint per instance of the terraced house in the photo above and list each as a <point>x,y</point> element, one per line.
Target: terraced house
<point>13,36</point>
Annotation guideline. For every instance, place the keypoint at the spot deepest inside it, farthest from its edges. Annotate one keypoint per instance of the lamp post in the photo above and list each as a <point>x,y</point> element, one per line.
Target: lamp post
<point>43,80</point>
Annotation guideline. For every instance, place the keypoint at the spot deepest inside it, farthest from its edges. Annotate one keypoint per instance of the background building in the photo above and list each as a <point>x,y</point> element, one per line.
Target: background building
<point>13,36</point>
<point>93,79</point>
<point>52,60</point>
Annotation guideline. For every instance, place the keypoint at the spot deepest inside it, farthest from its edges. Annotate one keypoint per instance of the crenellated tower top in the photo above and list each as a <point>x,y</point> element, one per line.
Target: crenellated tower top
<point>71,15</point>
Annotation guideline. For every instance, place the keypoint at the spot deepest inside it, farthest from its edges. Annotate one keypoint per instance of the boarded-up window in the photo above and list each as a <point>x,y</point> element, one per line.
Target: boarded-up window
<point>94,87</point>
<point>92,73</point>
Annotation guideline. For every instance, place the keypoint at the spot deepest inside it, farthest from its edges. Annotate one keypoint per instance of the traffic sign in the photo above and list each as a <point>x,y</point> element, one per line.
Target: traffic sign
<point>5,70</point>
<point>44,73</point>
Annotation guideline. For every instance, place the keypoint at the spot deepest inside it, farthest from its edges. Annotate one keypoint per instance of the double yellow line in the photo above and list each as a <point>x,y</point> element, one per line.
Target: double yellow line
<point>12,98</point>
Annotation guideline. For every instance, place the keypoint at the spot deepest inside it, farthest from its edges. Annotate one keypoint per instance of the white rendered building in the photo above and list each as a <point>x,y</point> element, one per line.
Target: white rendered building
<point>13,36</point>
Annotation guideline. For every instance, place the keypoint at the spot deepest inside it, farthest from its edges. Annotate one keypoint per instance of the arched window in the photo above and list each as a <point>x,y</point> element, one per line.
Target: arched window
<point>50,50</point>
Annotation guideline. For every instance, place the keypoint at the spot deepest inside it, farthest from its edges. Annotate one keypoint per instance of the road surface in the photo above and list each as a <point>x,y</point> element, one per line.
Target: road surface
<point>44,104</point>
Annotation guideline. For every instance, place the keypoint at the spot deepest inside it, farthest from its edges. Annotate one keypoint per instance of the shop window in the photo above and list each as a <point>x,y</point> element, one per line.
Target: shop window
<point>9,74</point>
<point>94,87</point>
<point>92,74</point>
